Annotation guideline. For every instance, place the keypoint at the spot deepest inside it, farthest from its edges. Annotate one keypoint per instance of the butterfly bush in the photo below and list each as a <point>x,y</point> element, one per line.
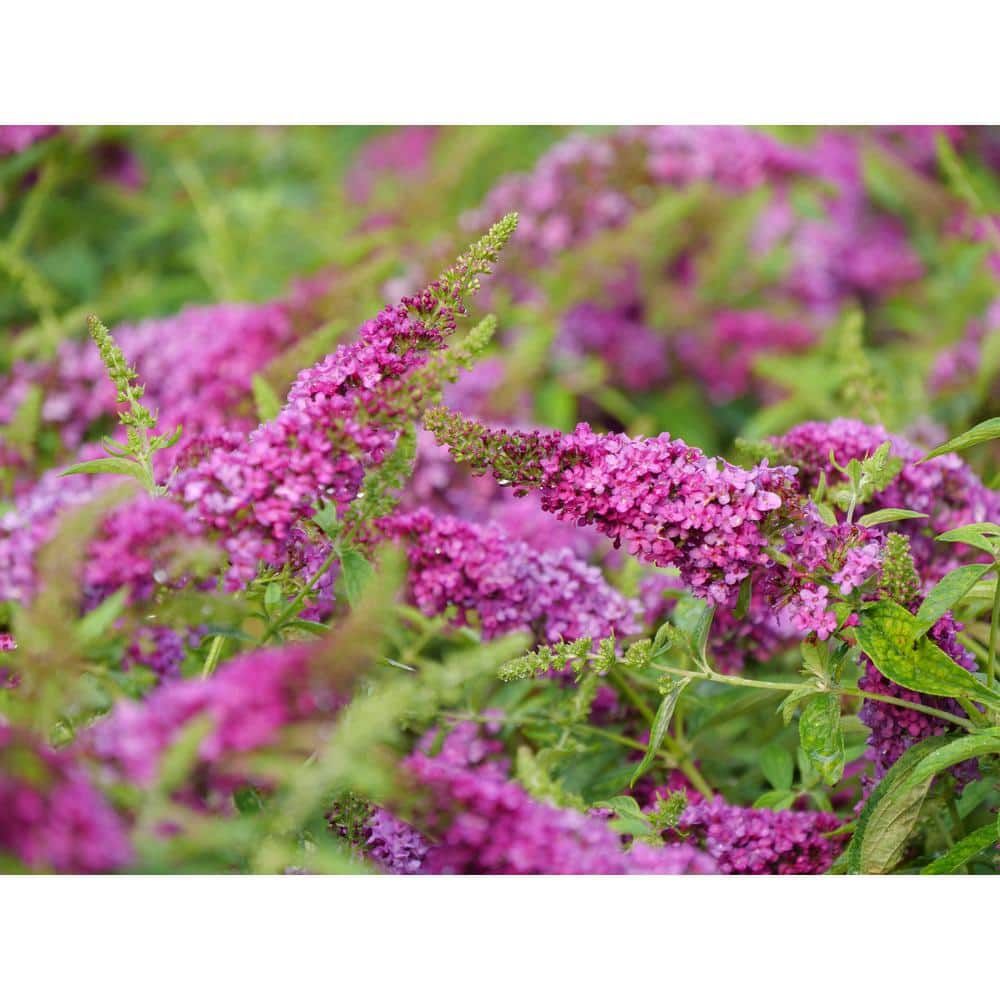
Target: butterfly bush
<point>945,488</point>
<point>341,416</point>
<point>667,503</point>
<point>52,817</point>
<point>248,702</point>
<point>337,625</point>
<point>489,825</point>
<point>508,585</point>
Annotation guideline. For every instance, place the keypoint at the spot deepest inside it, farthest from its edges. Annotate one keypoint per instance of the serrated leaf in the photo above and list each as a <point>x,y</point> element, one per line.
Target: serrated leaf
<point>988,430</point>
<point>965,850</point>
<point>886,822</point>
<point>661,721</point>
<point>887,515</point>
<point>265,399</point>
<point>894,806</point>
<point>822,737</point>
<point>355,572</point>
<point>777,766</point>
<point>947,593</point>
<point>886,634</point>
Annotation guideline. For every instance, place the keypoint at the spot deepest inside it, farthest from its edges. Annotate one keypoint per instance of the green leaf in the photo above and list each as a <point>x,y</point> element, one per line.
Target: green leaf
<point>355,572</point>
<point>887,515</point>
<point>743,599</point>
<point>658,730</point>
<point>822,737</point>
<point>777,766</point>
<point>947,593</point>
<point>787,706</point>
<point>93,624</point>
<point>272,597</point>
<point>326,519</point>
<point>181,756</point>
<point>888,818</point>
<point>113,466</point>
<point>984,535</point>
<point>777,799</point>
<point>265,398</point>
<point>893,808</point>
<point>988,430</point>
<point>965,850</point>
<point>886,634</point>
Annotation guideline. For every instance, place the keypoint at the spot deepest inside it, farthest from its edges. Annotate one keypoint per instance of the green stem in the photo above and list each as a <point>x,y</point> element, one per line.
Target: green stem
<point>293,608</point>
<point>734,681</point>
<point>214,655</point>
<point>991,661</point>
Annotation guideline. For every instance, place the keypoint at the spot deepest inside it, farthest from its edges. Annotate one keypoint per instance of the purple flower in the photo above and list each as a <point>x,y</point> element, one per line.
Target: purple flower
<point>486,824</point>
<point>745,841</point>
<point>51,816</point>
<point>480,569</point>
<point>249,702</point>
<point>396,847</point>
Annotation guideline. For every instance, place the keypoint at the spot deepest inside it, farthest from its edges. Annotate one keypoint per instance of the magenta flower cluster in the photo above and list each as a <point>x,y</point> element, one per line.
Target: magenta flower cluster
<point>338,421</point>
<point>668,504</point>
<point>745,841</point>
<point>247,701</point>
<point>480,569</point>
<point>722,355</point>
<point>486,824</point>
<point>51,815</point>
<point>945,488</point>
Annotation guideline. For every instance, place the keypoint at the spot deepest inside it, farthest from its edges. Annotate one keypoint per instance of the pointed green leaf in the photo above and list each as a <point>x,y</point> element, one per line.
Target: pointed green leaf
<point>265,398</point>
<point>113,466</point>
<point>886,822</point>
<point>93,624</point>
<point>965,850</point>
<point>777,766</point>
<point>777,799</point>
<point>985,535</point>
<point>661,721</point>
<point>947,593</point>
<point>887,515</point>
<point>886,634</point>
<point>988,430</point>
<point>355,571</point>
<point>822,737</point>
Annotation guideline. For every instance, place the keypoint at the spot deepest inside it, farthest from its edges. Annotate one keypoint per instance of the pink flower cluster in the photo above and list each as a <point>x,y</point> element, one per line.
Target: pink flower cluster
<point>590,183</point>
<point>722,355</point>
<point>944,488</point>
<point>480,569</point>
<point>486,824</point>
<point>249,701</point>
<point>135,548</point>
<point>51,817</point>
<point>396,847</point>
<point>635,356</point>
<point>668,504</point>
<point>17,138</point>
<point>340,418</point>
<point>197,367</point>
